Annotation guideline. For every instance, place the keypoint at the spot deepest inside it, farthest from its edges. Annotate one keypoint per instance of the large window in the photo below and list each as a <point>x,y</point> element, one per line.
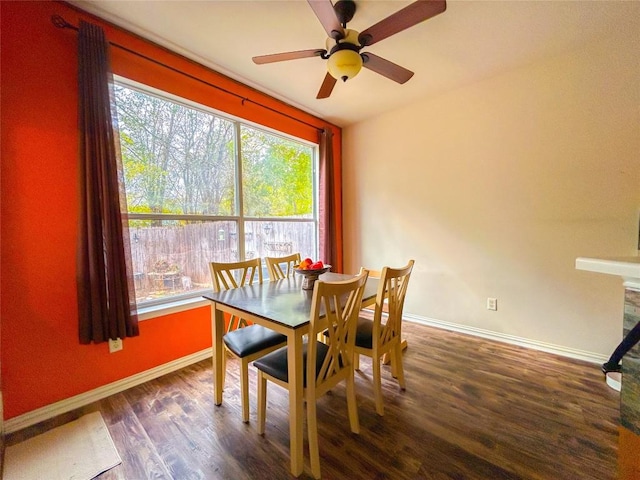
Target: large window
<point>203,187</point>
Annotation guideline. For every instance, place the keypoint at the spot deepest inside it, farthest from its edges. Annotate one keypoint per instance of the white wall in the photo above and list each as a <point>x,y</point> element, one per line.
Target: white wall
<point>495,189</point>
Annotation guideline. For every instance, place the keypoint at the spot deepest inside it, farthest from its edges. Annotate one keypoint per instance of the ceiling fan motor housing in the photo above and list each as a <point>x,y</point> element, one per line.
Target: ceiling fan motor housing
<point>345,9</point>
<point>349,41</point>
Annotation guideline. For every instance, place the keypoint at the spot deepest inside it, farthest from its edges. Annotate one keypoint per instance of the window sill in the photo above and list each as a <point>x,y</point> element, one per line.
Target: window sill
<point>147,313</point>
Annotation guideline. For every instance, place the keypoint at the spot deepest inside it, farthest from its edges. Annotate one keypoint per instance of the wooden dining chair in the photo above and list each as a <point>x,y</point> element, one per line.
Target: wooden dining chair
<point>335,307</point>
<point>246,342</point>
<point>382,335</point>
<point>281,267</point>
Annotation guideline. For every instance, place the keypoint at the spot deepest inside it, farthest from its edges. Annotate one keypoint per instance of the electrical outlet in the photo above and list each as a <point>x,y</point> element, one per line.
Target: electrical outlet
<point>492,303</point>
<point>115,345</point>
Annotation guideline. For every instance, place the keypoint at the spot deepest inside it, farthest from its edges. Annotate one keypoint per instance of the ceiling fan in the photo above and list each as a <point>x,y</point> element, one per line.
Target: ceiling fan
<point>343,45</point>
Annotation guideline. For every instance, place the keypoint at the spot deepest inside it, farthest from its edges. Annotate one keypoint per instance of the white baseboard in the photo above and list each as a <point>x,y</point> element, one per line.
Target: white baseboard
<point>511,339</point>
<point>49,411</point>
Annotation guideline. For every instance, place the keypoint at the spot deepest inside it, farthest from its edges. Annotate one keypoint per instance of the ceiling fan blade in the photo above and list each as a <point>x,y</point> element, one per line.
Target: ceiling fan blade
<point>386,68</point>
<point>281,57</point>
<point>327,15</point>
<point>404,18</point>
<point>327,86</point>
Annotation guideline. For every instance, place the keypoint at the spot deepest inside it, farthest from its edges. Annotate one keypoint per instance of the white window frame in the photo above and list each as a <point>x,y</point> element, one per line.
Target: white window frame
<point>190,300</point>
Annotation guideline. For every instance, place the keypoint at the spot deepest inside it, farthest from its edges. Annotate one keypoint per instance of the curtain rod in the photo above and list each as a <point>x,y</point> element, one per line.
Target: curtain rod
<point>60,22</point>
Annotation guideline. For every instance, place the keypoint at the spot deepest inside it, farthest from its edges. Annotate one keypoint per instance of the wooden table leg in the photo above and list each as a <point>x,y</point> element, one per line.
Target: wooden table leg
<point>296,402</point>
<point>217,331</point>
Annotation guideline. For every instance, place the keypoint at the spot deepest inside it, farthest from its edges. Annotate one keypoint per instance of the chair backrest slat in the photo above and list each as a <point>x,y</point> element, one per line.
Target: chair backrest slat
<point>334,307</point>
<point>228,275</point>
<point>275,266</point>
<point>392,291</point>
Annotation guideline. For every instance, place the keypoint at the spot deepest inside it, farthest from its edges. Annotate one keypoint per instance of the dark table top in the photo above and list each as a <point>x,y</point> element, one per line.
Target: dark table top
<point>283,301</point>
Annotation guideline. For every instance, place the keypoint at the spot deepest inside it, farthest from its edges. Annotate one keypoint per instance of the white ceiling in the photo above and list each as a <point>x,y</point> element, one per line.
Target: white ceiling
<point>471,40</point>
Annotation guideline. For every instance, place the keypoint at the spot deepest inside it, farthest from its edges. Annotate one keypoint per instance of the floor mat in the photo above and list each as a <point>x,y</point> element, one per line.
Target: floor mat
<point>78,450</point>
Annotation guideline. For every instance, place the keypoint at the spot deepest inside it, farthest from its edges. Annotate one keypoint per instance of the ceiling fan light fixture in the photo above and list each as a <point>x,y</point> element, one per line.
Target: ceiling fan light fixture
<point>344,44</point>
<point>344,64</point>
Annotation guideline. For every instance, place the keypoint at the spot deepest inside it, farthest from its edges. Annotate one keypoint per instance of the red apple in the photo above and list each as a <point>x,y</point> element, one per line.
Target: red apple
<point>305,264</point>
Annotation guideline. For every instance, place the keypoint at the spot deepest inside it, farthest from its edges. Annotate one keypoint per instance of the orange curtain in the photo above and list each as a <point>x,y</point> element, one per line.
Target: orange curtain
<point>104,279</point>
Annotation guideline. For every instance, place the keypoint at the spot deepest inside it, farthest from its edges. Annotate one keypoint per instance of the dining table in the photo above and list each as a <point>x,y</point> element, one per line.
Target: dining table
<point>284,306</point>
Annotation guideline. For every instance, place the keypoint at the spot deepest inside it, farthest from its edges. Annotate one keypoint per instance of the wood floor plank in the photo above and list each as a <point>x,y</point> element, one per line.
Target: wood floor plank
<point>473,409</point>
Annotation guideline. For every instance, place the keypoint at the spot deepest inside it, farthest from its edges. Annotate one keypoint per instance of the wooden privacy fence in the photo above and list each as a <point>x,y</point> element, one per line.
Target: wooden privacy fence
<point>174,258</point>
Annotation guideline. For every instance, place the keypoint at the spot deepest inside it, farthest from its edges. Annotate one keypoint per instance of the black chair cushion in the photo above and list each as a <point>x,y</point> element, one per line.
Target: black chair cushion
<point>249,340</point>
<point>364,334</point>
<point>276,365</point>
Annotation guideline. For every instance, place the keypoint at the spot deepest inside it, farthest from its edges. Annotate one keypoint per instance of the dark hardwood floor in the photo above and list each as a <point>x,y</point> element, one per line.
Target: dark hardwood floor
<point>473,409</point>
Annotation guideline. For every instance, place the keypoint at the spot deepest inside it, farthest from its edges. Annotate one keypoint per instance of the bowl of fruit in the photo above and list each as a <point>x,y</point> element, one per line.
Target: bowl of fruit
<point>310,270</point>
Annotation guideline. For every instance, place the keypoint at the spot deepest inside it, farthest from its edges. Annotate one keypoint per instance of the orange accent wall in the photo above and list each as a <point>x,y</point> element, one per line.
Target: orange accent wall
<point>42,360</point>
